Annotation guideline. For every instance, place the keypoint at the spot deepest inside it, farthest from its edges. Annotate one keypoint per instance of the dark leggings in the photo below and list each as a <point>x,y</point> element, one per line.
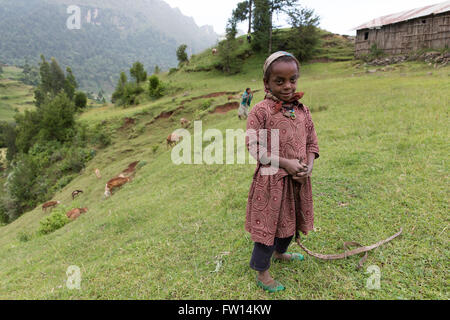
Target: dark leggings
<point>261,255</point>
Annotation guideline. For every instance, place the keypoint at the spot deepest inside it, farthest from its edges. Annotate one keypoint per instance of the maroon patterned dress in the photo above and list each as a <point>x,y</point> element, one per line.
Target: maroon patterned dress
<point>277,205</point>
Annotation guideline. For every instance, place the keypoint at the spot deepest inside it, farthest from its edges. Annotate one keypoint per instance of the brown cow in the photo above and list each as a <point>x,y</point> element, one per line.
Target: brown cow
<point>184,122</point>
<point>130,171</point>
<point>214,51</point>
<point>115,183</point>
<point>172,139</point>
<point>75,213</point>
<point>50,205</point>
<point>133,164</point>
<point>76,193</point>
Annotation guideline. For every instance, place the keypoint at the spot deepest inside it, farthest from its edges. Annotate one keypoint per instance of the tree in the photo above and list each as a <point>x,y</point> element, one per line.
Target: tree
<point>27,128</point>
<point>30,75</point>
<point>138,72</point>
<point>120,88</point>
<point>227,48</point>
<point>70,84</point>
<point>57,78</point>
<point>157,70</point>
<point>53,81</point>
<point>263,20</point>
<point>8,139</point>
<point>80,100</point>
<point>1,69</point>
<point>101,96</point>
<point>261,25</point>
<point>181,54</point>
<point>58,119</point>
<point>244,11</point>
<point>155,87</point>
<point>45,87</point>
<point>305,37</point>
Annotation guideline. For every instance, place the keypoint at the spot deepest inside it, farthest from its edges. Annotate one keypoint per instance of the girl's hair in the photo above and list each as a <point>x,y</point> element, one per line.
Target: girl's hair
<point>280,59</point>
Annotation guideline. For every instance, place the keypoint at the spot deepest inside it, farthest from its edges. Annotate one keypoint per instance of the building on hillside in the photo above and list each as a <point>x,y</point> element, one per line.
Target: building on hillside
<point>407,31</point>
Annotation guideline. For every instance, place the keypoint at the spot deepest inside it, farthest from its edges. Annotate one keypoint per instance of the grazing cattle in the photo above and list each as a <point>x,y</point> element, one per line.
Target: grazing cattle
<point>75,213</point>
<point>50,205</point>
<point>97,173</point>
<point>115,183</point>
<point>132,166</point>
<point>172,139</point>
<point>184,122</point>
<point>76,193</point>
<point>214,51</point>
<point>131,170</point>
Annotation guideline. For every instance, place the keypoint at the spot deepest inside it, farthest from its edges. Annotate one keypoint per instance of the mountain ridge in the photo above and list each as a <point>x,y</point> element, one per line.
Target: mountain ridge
<point>112,35</point>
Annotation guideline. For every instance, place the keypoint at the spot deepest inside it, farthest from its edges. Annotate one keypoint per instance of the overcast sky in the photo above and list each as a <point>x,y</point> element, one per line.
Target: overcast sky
<point>338,16</point>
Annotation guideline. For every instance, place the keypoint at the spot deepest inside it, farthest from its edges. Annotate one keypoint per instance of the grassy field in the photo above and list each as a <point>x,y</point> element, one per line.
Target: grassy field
<point>14,95</point>
<point>177,232</point>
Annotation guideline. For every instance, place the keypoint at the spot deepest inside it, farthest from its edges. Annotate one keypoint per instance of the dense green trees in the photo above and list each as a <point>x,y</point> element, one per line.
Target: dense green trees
<point>263,26</point>
<point>302,38</point>
<point>99,52</point>
<point>53,81</point>
<point>127,92</point>
<point>46,147</point>
<point>30,75</point>
<point>8,139</point>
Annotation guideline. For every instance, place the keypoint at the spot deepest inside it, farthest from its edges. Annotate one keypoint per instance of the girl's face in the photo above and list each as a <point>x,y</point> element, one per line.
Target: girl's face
<point>283,79</point>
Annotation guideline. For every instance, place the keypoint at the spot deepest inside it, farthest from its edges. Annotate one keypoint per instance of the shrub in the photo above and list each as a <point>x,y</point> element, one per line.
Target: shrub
<point>181,54</point>
<point>24,236</point>
<point>130,93</point>
<point>156,88</point>
<point>230,62</point>
<point>206,104</point>
<point>376,52</point>
<point>80,100</point>
<point>56,220</point>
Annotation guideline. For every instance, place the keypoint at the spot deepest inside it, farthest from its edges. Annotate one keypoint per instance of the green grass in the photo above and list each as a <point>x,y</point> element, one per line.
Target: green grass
<point>14,95</point>
<point>383,140</point>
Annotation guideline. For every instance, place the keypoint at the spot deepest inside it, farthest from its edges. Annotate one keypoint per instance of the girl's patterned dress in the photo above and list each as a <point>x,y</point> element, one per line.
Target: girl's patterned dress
<point>277,205</point>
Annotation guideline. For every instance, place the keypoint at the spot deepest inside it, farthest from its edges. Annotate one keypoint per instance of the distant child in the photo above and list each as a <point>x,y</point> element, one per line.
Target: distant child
<point>280,205</point>
<point>245,104</point>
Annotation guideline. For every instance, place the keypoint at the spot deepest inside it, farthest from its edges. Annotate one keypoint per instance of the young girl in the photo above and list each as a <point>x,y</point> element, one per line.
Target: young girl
<point>280,205</point>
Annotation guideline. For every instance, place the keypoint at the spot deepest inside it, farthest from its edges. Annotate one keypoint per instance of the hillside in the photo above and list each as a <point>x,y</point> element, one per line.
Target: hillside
<point>112,35</point>
<point>177,231</point>
<point>14,95</point>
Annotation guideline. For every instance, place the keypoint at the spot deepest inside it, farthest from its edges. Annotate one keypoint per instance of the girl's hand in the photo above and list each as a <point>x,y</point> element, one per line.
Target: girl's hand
<point>300,177</point>
<point>293,166</point>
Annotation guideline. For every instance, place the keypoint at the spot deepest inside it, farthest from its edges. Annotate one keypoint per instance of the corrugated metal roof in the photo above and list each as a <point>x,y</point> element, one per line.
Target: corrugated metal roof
<point>406,15</point>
